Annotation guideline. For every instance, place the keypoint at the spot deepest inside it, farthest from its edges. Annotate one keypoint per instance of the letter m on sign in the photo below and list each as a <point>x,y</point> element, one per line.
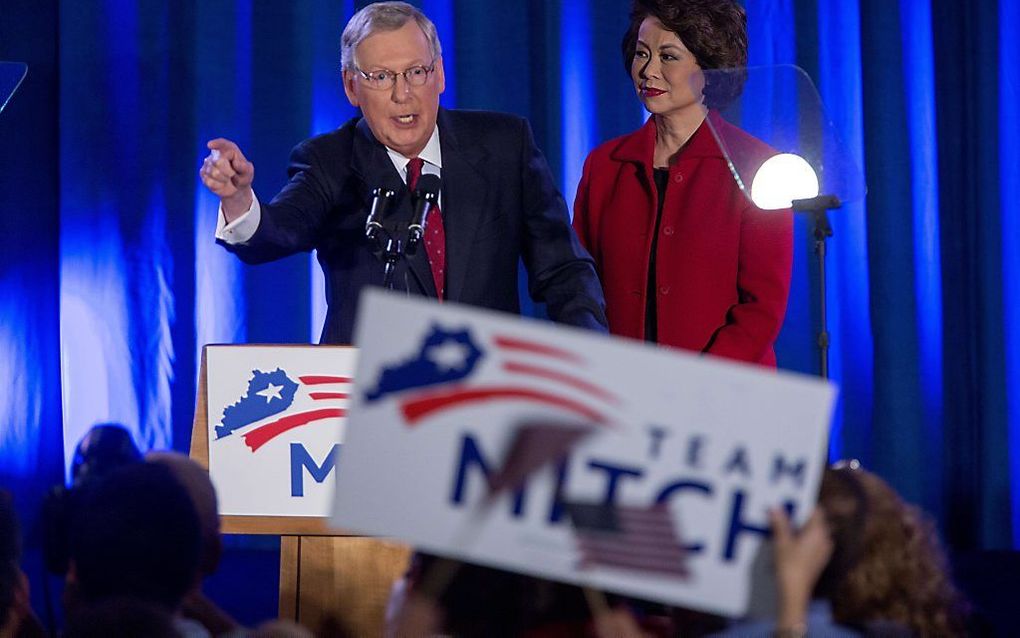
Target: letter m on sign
<point>301,460</point>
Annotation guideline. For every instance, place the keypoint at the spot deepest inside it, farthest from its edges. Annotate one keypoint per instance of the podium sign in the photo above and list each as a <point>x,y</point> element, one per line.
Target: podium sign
<point>441,391</point>
<point>275,427</point>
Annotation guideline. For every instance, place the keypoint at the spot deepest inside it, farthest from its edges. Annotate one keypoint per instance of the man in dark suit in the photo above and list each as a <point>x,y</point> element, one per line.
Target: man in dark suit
<point>497,204</point>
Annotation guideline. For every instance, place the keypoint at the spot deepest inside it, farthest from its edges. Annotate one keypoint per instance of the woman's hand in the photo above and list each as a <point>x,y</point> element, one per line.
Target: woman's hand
<point>799,558</point>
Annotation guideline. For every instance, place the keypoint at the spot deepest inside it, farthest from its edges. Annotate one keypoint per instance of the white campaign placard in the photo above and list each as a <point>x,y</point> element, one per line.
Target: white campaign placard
<point>276,422</point>
<point>441,388</point>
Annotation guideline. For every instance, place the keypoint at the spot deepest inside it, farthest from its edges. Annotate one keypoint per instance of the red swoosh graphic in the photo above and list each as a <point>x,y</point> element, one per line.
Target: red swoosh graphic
<point>510,343</point>
<point>554,375</point>
<point>265,433</point>
<point>320,380</point>
<point>419,408</point>
<point>319,396</point>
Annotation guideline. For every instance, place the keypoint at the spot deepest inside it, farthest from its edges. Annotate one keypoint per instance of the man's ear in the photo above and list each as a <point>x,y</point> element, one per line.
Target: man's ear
<point>440,74</point>
<point>352,93</point>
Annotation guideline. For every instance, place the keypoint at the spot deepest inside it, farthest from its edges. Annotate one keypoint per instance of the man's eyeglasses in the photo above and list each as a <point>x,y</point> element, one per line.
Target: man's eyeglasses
<point>384,79</point>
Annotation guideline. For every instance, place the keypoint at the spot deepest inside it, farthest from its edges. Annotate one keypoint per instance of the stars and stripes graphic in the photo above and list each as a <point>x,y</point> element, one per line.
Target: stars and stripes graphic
<point>275,394</point>
<point>443,374</point>
<point>641,539</point>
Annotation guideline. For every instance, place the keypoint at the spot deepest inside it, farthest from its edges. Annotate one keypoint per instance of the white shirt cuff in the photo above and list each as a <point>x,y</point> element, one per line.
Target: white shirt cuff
<point>241,229</point>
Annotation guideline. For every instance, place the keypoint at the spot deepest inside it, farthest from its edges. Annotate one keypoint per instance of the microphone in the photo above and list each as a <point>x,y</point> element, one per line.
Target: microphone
<point>426,196</point>
<point>380,200</point>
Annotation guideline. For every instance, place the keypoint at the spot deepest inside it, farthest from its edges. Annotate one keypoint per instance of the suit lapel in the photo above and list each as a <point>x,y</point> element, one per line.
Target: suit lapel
<point>465,199</point>
<point>373,166</point>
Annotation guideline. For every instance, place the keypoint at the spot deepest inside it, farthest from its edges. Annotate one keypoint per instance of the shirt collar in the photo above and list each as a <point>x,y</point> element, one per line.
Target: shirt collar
<point>432,154</point>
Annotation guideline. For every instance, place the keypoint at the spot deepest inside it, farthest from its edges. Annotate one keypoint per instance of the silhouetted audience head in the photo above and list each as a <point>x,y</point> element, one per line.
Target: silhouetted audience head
<point>888,563</point>
<point>10,554</point>
<point>196,481</point>
<point>123,617</point>
<point>103,448</point>
<point>16,617</point>
<point>135,532</point>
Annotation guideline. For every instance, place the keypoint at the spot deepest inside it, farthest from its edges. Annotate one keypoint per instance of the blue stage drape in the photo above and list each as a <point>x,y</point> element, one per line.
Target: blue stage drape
<point>31,441</point>
<point>1009,180</point>
<point>110,282</point>
<point>979,466</point>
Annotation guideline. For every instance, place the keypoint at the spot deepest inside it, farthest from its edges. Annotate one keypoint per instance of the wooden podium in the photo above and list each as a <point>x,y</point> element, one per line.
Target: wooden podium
<point>332,582</point>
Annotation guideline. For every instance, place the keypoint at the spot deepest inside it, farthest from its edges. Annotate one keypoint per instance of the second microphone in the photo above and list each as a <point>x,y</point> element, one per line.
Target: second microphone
<point>426,196</point>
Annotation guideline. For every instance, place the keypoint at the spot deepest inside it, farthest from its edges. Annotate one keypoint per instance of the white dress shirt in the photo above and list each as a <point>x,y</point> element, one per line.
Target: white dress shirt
<point>243,228</point>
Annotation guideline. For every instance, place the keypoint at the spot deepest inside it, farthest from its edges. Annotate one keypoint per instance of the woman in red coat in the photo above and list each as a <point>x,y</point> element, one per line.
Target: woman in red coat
<point>685,259</point>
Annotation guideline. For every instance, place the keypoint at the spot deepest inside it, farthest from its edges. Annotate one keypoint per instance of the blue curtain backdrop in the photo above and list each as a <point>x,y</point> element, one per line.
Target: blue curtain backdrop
<point>110,282</point>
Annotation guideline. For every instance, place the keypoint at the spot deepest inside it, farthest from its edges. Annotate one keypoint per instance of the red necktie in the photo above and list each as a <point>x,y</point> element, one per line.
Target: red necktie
<point>435,235</point>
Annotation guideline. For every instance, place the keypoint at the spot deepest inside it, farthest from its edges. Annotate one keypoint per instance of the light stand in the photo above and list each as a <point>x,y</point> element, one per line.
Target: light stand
<point>780,145</point>
<point>819,207</point>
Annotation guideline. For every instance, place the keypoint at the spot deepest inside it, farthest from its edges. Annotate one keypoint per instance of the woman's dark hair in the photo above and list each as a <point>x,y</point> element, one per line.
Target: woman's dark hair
<point>715,31</point>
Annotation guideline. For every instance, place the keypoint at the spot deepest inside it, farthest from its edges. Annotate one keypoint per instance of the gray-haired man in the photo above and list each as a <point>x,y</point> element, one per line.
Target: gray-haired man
<point>498,203</point>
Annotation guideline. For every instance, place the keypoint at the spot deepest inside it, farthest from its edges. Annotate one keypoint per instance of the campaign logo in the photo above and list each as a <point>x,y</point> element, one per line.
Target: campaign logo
<point>288,402</point>
<point>449,371</point>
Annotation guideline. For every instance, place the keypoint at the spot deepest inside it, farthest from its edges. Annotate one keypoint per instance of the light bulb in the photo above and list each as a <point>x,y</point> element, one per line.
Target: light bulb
<point>782,179</point>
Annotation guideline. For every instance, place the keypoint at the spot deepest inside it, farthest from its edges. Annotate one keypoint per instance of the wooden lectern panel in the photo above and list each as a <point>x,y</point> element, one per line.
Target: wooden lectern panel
<point>342,583</point>
<point>330,581</point>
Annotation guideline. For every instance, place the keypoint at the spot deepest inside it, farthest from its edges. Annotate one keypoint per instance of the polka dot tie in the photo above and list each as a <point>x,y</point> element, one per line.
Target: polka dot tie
<point>435,235</point>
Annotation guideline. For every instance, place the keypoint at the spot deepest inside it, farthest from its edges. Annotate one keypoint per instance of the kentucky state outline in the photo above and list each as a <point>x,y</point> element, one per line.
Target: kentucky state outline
<point>424,368</point>
<point>277,393</point>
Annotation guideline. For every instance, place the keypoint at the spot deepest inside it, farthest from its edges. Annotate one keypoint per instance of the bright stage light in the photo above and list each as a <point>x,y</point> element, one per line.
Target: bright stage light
<point>782,179</point>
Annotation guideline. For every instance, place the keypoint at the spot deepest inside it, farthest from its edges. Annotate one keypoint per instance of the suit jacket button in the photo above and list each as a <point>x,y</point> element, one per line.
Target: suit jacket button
<point>664,290</point>
<point>668,231</point>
